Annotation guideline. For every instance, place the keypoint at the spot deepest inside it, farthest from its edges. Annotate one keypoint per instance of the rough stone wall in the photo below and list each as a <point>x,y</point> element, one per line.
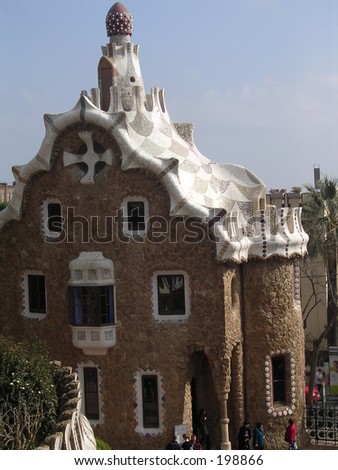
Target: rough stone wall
<point>207,346</point>
<point>142,343</point>
<point>272,324</point>
<point>232,370</point>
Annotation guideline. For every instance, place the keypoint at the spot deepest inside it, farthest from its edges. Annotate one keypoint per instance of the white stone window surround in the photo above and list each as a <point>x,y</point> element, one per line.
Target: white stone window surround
<point>124,207</point>
<point>44,225</point>
<point>80,372</point>
<point>277,409</point>
<point>154,287</point>
<point>138,402</point>
<point>93,269</point>
<point>24,283</point>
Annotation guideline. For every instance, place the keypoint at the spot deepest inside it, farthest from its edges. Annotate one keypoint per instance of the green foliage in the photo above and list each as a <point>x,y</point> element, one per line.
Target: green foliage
<point>102,445</point>
<point>296,189</point>
<point>27,393</point>
<point>3,205</point>
<point>321,218</point>
<point>321,223</point>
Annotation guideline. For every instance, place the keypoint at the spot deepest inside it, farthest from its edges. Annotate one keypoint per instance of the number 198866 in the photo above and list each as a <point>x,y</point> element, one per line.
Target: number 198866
<point>239,459</point>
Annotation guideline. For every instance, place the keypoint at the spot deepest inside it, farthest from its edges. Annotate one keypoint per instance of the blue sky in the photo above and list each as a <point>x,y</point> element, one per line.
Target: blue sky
<point>258,78</point>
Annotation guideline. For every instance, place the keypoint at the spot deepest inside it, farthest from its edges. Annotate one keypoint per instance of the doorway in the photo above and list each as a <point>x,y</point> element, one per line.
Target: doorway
<point>203,396</point>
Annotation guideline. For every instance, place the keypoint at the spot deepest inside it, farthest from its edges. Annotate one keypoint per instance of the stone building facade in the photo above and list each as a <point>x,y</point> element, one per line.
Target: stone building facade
<point>6,192</point>
<point>312,277</point>
<point>160,276</point>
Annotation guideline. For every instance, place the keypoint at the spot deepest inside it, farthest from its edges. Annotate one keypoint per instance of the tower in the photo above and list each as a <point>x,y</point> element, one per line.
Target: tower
<point>119,65</point>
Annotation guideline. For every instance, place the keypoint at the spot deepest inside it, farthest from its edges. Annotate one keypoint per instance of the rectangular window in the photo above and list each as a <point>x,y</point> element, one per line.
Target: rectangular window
<point>279,379</point>
<point>136,216</point>
<point>171,295</point>
<point>91,392</point>
<point>91,305</point>
<point>54,217</point>
<point>150,401</point>
<point>36,293</point>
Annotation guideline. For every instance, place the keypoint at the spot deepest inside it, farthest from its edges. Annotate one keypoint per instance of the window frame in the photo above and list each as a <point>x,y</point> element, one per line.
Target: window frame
<point>156,299</point>
<point>138,404</point>
<point>276,406</point>
<point>126,228</point>
<point>172,300</point>
<point>147,403</point>
<point>87,290</point>
<point>279,383</point>
<point>81,374</point>
<point>46,219</point>
<point>94,416</point>
<point>35,312</point>
<point>139,219</point>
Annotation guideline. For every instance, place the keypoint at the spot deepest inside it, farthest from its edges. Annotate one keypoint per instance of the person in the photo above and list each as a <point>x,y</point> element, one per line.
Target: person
<point>187,444</point>
<point>196,445</point>
<point>203,429</point>
<point>173,444</point>
<point>244,436</point>
<point>319,378</point>
<point>290,434</point>
<point>258,437</point>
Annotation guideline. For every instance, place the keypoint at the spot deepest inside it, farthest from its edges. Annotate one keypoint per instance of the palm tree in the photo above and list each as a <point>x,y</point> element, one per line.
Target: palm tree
<point>320,220</point>
<point>321,223</point>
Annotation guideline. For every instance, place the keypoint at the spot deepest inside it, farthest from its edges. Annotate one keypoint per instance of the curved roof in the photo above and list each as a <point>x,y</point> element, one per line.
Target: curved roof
<point>229,197</point>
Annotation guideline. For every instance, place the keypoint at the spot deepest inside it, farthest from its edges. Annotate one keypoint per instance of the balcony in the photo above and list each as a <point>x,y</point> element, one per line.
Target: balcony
<point>94,340</point>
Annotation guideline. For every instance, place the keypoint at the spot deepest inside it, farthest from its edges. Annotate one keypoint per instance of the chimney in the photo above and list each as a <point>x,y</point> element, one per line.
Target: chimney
<point>316,175</point>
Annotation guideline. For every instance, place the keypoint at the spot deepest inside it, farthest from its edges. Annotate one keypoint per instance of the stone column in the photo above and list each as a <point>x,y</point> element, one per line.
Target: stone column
<point>224,422</point>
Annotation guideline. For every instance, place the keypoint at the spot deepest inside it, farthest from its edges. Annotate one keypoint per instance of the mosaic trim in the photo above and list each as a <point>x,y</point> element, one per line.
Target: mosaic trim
<point>142,128</point>
<point>280,410</point>
<point>296,283</point>
<point>80,368</point>
<point>168,169</point>
<point>25,295</point>
<point>137,404</point>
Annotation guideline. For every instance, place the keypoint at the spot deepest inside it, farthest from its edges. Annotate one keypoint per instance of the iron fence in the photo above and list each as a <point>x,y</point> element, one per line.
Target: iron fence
<point>321,423</point>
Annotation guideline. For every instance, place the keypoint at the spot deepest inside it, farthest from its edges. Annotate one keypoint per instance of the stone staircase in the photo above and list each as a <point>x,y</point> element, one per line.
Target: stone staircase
<point>73,430</point>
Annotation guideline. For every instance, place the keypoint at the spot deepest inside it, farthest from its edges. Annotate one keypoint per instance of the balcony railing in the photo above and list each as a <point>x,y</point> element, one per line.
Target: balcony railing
<point>94,340</point>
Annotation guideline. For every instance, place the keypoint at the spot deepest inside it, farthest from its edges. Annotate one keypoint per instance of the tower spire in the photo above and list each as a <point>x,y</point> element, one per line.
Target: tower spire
<point>119,23</point>
<point>119,71</point>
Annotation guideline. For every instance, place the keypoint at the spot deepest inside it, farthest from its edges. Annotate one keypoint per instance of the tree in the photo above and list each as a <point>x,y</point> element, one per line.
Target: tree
<point>3,205</point>
<point>28,398</point>
<point>320,220</point>
<point>296,189</point>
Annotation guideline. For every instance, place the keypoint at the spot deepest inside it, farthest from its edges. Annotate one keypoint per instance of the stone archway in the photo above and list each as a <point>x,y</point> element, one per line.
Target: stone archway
<point>203,396</point>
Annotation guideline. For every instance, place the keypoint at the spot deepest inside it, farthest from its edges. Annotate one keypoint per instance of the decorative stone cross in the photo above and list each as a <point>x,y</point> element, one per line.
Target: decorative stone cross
<point>90,158</point>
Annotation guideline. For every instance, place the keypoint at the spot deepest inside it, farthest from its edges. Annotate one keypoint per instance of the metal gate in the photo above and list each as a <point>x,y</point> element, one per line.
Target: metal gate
<point>322,423</point>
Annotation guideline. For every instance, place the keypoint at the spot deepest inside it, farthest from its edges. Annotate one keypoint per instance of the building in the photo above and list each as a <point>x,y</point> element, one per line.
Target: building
<point>6,192</point>
<point>160,276</point>
<point>313,285</point>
